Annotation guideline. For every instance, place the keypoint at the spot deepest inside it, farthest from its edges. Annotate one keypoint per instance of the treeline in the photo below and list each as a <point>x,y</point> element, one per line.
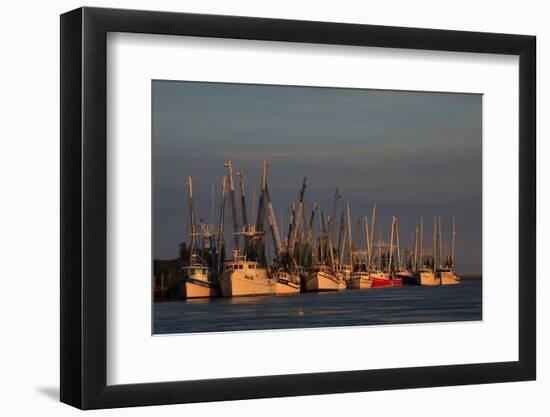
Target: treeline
<point>167,274</point>
<point>470,277</point>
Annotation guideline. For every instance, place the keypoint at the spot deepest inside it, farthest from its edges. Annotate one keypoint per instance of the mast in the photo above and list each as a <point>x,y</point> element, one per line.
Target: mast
<point>282,212</point>
<point>415,257</point>
<point>236,226</point>
<point>398,246</point>
<point>254,204</point>
<point>261,205</point>
<point>440,245</point>
<point>453,247</point>
<point>330,228</point>
<point>271,218</point>
<point>328,245</point>
<point>380,247</point>
<point>292,241</point>
<point>222,219</point>
<point>191,219</point>
<point>246,238</point>
<point>340,244</point>
<point>367,243</point>
<point>391,244</point>
<point>291,221</point>
<point>357,239</point>
<point>243,198</point>
<point>350,236</point>
<point>309,239</point>
<point>372,225</point>
<point>421,250</point>
<point>321,238</point>
<point>434,245</point>
<point>212,202</point>
<point>343,247</point>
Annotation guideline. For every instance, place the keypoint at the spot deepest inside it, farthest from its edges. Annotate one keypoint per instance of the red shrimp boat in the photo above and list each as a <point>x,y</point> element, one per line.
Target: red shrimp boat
<point>382,279</point>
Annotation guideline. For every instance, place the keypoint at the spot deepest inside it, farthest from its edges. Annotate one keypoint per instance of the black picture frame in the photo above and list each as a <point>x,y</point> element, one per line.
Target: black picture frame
<point>84,207</point>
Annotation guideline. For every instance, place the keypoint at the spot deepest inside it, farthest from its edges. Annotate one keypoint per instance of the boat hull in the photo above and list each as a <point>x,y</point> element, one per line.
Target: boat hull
<point>407,278</point>
<point>323,281</point>
<point>427,279</point>
<point>199,289</point>
<point>379,281</point>
<point>283,287</point>
<point>360,283</point>
<point>449,278</point>
<point>239,283</point>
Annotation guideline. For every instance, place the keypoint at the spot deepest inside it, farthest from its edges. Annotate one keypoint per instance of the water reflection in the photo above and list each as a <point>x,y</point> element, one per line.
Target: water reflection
<point>375,306</point>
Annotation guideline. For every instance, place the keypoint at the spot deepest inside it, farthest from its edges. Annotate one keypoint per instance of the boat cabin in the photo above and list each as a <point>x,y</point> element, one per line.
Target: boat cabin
<point>234,266</point>
<point>322,268</point>
<point>196,270</point>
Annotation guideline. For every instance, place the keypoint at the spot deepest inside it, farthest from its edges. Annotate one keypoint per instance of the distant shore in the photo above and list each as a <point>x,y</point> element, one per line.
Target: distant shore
<point>470,277</point>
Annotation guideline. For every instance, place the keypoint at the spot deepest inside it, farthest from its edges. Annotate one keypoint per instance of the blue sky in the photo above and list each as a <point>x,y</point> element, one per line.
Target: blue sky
<point>413,153</point>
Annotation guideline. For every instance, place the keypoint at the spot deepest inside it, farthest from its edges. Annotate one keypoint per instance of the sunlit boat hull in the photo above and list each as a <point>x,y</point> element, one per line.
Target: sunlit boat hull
<point>448,278</point>
<point>194,288</point>
<point>240,283</point>
<point>360,282</point>
<point>323,281</point>
<point>383,280</point>
<point>284,286</point>
<point>427,278</point>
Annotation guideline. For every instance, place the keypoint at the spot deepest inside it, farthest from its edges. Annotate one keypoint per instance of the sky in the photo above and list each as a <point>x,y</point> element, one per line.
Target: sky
<point>412,153</point>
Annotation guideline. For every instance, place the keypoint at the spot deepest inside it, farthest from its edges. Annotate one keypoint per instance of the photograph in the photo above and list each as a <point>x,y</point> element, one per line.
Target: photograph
<point>292,207</point>
<point>313,209</point>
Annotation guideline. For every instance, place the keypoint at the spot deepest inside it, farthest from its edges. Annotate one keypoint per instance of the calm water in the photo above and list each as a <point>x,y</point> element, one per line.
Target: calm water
<point>408,304</point>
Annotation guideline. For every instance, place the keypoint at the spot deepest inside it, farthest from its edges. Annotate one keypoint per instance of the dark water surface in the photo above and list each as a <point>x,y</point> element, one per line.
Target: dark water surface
<point>398,305</point>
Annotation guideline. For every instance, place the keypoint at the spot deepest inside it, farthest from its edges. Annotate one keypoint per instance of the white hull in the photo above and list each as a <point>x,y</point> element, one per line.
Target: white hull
<point>197,283</point>
<point>360,281</point>
<point>427,278</point>
<point>323,281</point>
<point>448,278</point>
<point>194,289</point>
<point>242,282</point>
<point>286,287</point>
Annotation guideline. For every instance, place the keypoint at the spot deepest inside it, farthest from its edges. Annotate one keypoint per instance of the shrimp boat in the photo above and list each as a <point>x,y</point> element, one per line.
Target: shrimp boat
<point>286,282</point>
<point>241,277</point>
<point>384,279</point>
<point>447,276</point>
<point>404,270</point>
<point>198,282</point>
<point>322,278</point>
<point>324,274</point>
<point>426,276</point>
<point>407,277</point>
<point>360,280</point>
<point>360,277</point>
<point>425,273</point>
<point>384,275</point>
<point>446,272</point>
<point>345,272</point>
<point>287,269</point>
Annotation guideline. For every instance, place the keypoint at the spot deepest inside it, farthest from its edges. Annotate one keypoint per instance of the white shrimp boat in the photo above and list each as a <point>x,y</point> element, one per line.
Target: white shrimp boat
<point>241,277</point>
<point>426,276</point>
<point>322,278</point>
<point>197,283</point>
<point>360,280</point>
<point>447,276</point>
<point>286,282</point>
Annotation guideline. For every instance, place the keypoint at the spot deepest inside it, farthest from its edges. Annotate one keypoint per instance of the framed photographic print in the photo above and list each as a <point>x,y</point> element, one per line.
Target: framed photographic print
<point>257,208</point>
